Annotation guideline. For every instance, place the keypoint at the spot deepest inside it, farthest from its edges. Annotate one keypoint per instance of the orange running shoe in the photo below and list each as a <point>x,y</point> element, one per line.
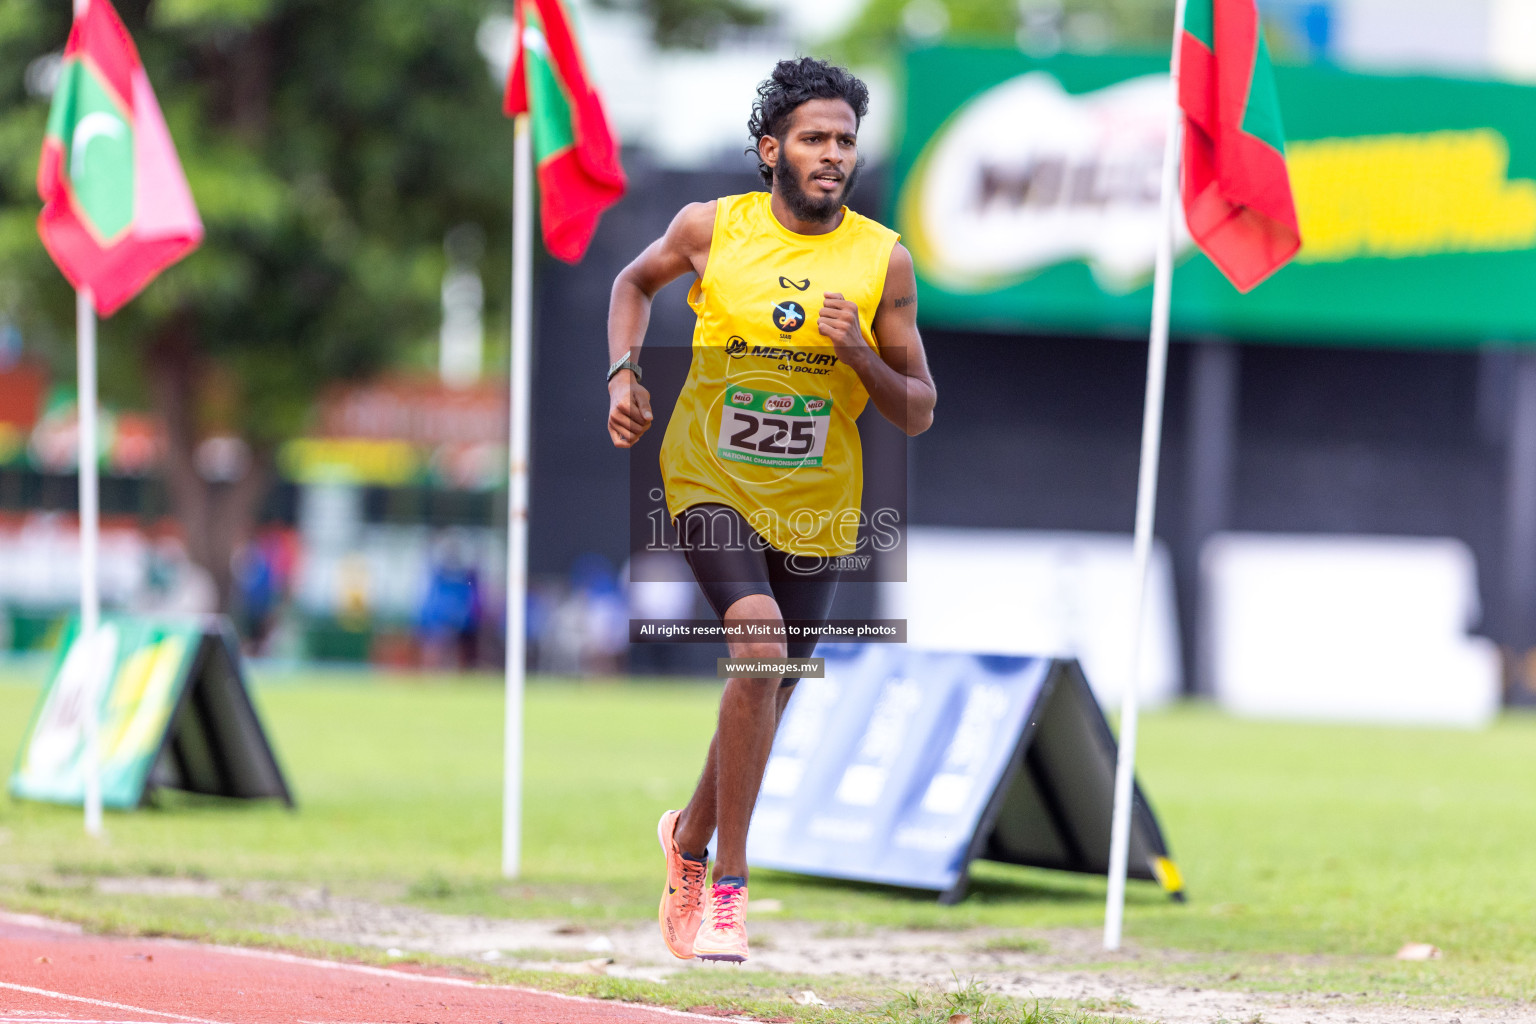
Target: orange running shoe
<point>723,935</point>
<point>682,901</point>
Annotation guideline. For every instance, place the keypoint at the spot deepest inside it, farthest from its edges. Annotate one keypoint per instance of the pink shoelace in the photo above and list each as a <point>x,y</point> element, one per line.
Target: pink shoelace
<point>726,900</point>
<point>693,883</point>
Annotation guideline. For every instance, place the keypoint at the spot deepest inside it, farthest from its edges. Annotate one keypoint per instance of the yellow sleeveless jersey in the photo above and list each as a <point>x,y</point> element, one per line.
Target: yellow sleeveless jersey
<point>765,421</point>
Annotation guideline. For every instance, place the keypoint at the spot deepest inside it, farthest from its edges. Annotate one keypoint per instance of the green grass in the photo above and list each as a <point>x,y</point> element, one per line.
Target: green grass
<point>1311,853</point>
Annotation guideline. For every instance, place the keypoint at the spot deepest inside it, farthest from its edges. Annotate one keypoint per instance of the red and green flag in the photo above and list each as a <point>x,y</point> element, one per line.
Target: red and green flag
<point>116,207</point>
<point>1237,194</point>
<point>578,160</point>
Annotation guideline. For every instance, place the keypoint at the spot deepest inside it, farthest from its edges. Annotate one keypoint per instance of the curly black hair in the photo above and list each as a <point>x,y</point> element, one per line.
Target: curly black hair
<point>792,83</point>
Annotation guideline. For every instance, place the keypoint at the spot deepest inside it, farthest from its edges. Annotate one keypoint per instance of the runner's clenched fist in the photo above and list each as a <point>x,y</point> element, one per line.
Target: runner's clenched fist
<point>839,321</point>
<point>629,409</point>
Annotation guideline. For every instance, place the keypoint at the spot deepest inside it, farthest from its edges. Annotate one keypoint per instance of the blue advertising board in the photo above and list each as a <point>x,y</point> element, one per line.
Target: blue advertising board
<point>902,766</point>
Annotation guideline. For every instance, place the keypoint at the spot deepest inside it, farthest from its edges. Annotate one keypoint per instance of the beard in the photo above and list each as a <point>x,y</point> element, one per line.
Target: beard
<point>806,205</point>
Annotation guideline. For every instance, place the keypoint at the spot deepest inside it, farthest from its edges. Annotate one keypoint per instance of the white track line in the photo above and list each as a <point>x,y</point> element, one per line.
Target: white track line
<point>304,961</point>
<point>69,1020</point>
<point>46,924</point>
<point>385,972</point>
<point>102,1002</point>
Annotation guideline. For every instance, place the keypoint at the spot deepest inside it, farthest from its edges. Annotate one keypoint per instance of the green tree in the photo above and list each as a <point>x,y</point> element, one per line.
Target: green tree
<point>700,23</point>
<point>883,27</point>
<point>330,144</point>
<point>692,24</point>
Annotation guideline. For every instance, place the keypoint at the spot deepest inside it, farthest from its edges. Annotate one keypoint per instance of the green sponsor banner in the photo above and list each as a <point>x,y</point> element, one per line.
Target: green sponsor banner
<point>1027,191</point>
<point>138,669</point>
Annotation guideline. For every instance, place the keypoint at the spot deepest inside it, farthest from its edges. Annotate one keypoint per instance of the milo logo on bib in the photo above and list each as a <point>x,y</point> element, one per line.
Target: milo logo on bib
<point>766,428</point>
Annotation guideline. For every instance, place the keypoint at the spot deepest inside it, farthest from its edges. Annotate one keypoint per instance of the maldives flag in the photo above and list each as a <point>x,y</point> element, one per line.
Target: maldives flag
<point>579,172</point>
<point>1237,194</point>
<point>116,207</point>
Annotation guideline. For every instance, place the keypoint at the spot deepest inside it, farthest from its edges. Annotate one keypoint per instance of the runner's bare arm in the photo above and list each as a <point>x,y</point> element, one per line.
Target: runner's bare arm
<point>896,378</point>
<point>684,248</point>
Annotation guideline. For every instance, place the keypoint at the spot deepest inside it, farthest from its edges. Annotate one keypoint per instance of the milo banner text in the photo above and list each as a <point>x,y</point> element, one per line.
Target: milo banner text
<point>1027,191</point>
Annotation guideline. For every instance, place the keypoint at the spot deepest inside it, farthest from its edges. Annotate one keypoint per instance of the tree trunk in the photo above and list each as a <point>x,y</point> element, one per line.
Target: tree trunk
<point>215,516</point>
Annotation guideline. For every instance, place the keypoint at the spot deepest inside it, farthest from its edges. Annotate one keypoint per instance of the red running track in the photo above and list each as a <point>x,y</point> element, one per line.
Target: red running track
<point>52,974</point>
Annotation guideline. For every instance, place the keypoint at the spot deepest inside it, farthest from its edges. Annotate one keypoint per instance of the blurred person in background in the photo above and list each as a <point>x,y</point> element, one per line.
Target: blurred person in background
<point>543,596</point>
<point>587,630</point>
<point>766,501</point>
<point>659,592</point>
<point>256,594</point>
<point>560,635</point>
<point>263,571</point>
<point>605,617</point>
<point>449,620</point>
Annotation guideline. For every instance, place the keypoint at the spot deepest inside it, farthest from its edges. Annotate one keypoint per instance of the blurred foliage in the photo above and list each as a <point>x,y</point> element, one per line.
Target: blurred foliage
<point>884,27</point>
<point>692,24</point>
<point>329,145</point>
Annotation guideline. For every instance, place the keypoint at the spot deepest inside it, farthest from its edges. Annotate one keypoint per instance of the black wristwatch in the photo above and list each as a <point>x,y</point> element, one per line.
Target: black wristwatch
<point>625,364</point>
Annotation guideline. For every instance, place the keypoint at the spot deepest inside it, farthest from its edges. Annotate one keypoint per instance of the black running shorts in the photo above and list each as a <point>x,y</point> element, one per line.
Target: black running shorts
<point>731,560</point>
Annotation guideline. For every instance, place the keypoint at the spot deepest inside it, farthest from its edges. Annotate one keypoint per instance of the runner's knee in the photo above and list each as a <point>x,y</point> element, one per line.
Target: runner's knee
<point>759,650</point>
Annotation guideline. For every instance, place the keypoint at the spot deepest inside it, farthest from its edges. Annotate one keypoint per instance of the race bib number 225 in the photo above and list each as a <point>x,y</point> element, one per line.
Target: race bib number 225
<point>770,428</point>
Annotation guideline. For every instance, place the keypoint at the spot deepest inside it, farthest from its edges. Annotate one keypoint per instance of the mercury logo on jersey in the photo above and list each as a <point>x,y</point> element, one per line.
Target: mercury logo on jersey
<point>804,356</point>
<point>799,286</point>
<point>817,362</point>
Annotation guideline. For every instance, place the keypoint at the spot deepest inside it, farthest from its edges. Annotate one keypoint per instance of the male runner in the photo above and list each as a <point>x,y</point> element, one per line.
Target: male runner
<point>761,458</point>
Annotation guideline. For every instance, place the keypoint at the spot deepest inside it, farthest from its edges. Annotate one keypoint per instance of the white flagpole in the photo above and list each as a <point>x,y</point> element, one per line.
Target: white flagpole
<point>1146,500</point>
<point>90,596</point>
<point>517,493</point>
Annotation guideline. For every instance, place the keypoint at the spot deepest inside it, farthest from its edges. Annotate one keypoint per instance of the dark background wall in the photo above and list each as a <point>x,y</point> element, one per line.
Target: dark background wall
<point>1043,431</point>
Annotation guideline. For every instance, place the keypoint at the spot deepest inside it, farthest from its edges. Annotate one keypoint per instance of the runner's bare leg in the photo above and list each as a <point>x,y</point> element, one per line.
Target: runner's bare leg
<point>697,822</point>
<point>749,714</point>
